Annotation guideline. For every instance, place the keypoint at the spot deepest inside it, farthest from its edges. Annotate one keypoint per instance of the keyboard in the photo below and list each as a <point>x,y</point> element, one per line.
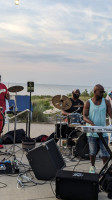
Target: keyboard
<point>94,129</point>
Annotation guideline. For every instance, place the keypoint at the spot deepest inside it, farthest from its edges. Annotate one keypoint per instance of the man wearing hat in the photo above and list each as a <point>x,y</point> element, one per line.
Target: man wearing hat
<point>77,104</point>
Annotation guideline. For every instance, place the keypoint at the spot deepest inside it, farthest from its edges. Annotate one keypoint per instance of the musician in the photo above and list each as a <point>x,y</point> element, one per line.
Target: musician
<point>4,94</point>
<point>109,98</point>
<point>77,107</point>
<point>94,114</point>
<point>77,104</point>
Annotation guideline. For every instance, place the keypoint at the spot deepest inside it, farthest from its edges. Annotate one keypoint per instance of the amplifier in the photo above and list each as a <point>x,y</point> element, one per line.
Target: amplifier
<point>77,185</point>
<point>46,160</point>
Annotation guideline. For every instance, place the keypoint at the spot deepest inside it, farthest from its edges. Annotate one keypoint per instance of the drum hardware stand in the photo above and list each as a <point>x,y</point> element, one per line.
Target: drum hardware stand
<point>60,136</point>
<point>56,127</point>
<point>15,89</point>
<point>63,103</point>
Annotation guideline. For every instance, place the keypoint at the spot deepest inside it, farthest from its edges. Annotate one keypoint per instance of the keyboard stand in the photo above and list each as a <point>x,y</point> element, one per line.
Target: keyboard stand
<point>109,151</point>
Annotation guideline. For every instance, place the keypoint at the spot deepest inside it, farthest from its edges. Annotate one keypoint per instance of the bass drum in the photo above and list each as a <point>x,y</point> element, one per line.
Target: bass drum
<point>65,130</point>
<point>78,140</point>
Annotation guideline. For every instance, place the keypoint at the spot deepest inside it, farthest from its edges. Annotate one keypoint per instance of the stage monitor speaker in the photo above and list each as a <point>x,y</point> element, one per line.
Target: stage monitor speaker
<point>77,185</point>
<point>46,160</point>
<point>106,177</point>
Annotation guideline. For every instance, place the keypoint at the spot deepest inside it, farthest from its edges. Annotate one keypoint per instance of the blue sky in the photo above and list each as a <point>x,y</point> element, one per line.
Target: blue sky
<point>56,42</point>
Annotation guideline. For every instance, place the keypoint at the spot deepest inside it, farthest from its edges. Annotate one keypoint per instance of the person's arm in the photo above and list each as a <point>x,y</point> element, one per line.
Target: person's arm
<point>109,109</point>
<point>7,96</point>
<point>65,113</point>
<point>86,113</point>
<point>82,106</point>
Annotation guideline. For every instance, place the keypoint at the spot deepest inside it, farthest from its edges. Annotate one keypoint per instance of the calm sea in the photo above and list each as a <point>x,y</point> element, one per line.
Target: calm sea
<point>49,89</point>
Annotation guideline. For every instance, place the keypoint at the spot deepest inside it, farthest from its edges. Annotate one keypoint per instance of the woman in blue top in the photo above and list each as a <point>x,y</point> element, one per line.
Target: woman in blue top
<point>94,114</point>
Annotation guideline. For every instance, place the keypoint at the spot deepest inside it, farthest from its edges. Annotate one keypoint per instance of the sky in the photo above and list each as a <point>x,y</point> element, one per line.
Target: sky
<point>66,42</point>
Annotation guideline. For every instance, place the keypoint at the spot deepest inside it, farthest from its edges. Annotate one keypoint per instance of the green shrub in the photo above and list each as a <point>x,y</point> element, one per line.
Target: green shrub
<point>38,109</point>
<point>85,93</point>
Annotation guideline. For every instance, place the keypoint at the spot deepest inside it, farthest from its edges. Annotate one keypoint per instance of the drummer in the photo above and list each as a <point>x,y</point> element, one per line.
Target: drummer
<point>4,94</point>
<point>77,104</point>
<point>77,107</point>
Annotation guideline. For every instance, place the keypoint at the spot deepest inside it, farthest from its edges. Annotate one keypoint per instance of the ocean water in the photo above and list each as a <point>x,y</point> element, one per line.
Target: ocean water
<point>50,89</point>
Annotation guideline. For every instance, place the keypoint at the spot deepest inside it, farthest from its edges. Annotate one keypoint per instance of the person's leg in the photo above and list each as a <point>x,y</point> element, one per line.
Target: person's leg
<point>1,123</point>
<point>1,128</point>
<point>92,152</point>
<point>110,123</point>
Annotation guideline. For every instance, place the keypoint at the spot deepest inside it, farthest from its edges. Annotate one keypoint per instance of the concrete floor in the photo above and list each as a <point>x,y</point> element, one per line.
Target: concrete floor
<point>41,190</point>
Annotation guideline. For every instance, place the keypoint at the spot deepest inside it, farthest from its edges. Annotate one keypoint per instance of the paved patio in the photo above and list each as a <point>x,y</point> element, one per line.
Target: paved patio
<point>38,189</point>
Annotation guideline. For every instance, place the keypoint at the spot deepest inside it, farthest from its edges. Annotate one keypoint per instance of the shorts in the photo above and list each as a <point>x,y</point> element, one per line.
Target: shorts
<point>95,144</point>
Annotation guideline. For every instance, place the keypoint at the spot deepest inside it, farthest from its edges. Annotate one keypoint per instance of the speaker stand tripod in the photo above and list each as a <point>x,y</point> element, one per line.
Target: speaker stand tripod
<point>15,89</point>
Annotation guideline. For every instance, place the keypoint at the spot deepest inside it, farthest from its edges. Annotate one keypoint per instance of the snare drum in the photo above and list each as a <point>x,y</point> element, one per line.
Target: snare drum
<point>74,119</point>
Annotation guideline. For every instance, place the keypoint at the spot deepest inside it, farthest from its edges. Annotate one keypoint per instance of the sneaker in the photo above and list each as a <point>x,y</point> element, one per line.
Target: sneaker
<point>92,170</point>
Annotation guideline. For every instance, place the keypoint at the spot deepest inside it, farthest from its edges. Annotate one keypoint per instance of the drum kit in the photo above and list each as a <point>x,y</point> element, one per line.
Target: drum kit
<point>61,102</point>
<point>67,126</point>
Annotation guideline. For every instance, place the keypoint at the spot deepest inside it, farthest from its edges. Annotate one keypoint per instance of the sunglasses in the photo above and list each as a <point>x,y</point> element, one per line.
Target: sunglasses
<point>102,91</point>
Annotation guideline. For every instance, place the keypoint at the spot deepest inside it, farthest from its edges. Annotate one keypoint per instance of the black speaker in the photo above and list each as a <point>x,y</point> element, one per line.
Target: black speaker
<point>106,179</point>
<point>45,160</point>
<point>77,185</point>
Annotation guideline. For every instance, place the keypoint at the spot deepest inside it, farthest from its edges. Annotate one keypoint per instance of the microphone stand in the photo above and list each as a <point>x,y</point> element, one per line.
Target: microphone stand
<point>60,125</point>
<point>15,113</point>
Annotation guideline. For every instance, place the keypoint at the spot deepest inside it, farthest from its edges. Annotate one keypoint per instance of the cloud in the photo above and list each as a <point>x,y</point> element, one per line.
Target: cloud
<point>66,36</point>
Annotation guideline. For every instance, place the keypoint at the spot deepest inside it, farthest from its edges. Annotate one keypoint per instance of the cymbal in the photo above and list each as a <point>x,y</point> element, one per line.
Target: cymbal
<point>16,88</point>
<point>61,102</point>
<point>51,111</point>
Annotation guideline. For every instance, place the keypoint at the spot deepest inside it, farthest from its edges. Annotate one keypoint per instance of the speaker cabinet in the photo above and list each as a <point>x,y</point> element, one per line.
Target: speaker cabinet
<point>106,177</point>
<point>77,185</point>
<point>46,160</point>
